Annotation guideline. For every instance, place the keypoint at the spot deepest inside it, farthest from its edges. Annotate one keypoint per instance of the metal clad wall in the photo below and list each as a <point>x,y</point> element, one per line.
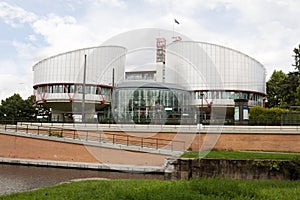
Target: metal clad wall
<point>54,74</point>
<point>68,67</point>
<point>204,66</point>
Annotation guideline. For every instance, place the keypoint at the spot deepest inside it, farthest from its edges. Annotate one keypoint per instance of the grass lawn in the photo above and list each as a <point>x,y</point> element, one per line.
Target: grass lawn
<point>242,155</point>
<point>212,188</point>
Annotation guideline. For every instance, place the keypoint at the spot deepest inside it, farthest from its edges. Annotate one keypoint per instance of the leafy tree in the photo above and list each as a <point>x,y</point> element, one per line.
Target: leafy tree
<point>297,58</point>
<point>14,109</point>
<point>283,90</point>
<point>289,89</point>
<point>298,96</point>
<point>29,112</point>
<point>274,89</point>
<point>297,67</point>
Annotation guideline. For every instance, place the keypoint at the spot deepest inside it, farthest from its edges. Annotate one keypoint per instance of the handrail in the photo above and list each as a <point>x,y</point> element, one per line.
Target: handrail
<point>125,139</point>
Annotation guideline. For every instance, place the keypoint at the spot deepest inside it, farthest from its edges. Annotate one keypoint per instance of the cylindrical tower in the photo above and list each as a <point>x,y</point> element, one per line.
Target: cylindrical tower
<point>215,74</point>
<point>58,80</point>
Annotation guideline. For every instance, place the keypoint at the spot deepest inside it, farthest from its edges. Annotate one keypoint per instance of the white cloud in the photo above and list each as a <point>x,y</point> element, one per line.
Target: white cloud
<point>10,84</point>
<point>14,15</point>
<point>24,50</point>
<point>113,3</point>
<point>31,38</point>
<point>266,30</point>
<point>15,79</point>
<point>8,67</point>
<point>61,34</point>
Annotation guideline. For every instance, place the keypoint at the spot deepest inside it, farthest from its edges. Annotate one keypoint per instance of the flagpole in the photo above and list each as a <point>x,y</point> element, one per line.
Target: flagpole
<point>175,21</point>
<point>173,30</point>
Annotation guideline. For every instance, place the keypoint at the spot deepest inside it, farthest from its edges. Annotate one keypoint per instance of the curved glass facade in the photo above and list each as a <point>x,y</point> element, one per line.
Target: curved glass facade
<point>255,99</point>
<point>149,103</point>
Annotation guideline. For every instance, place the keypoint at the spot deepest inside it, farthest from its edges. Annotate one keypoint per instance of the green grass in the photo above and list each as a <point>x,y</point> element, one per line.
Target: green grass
<point>212,188</point>
<point>242,155</point>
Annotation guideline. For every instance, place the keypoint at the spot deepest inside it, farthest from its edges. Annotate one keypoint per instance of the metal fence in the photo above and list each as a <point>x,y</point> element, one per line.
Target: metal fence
<point>290,118</point>
<point>287,119</point>
<point>99,136</point>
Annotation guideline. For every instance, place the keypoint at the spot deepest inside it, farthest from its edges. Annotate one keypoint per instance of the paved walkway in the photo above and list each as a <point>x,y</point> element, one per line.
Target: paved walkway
<point>85,165</point>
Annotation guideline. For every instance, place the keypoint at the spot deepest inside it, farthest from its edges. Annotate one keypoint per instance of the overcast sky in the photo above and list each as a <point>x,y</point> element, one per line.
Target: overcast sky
<point>31,30</point>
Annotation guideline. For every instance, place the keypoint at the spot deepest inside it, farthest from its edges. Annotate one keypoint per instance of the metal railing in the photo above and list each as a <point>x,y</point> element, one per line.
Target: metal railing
<point>170,128</point>
<point>293,120</point>
<point>98,136</point>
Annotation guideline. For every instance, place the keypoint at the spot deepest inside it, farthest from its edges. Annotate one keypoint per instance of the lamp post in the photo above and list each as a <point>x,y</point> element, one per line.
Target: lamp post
<point>83,92</point>
<point>201,112</point>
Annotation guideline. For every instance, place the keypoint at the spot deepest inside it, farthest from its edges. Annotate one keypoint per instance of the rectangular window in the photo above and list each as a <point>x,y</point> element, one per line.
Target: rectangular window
<point>50,87</point>
<point>72,89</point>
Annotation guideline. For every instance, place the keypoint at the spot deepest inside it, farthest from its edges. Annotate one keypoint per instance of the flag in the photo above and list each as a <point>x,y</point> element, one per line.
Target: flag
<point>176,21</point>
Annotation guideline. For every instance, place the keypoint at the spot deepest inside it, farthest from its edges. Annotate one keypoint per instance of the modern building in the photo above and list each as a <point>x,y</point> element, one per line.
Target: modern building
<point>59,80</point>
<point>190,82</point>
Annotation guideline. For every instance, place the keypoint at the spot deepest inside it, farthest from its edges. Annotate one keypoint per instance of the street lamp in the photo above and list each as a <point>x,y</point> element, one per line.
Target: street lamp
<point>201,112</point>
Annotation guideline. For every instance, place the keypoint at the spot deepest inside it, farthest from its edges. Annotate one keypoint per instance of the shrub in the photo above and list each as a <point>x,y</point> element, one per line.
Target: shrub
<point>265,116</point>
<point>50,133</point>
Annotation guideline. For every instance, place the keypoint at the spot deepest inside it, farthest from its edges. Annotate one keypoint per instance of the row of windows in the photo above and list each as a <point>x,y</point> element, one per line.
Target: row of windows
<point>73,88</point>
<point>228,95</point>
<point>140,76</point>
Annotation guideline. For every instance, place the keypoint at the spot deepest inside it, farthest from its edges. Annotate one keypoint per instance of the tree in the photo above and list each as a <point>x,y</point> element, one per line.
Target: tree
<point>283,90</point>
<point>297,58</point>
<point>289,89</point>
<point>298,96</point>
<point>29,111</point>
<point>297,67</point>
<point>275,94</point>
<point>14,109</point>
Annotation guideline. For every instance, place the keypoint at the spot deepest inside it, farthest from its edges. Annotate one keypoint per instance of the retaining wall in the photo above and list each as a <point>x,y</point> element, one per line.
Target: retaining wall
<point>15,146</point>
<point>285,142</point>
<point>236,169</point>
<point>249,141</point>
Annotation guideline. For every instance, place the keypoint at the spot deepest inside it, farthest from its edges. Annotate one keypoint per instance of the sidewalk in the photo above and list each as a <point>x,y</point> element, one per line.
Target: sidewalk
<point>84,165</point>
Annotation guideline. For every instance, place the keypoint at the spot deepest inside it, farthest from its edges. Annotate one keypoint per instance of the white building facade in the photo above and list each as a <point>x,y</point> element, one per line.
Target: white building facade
<point>202,75</point>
